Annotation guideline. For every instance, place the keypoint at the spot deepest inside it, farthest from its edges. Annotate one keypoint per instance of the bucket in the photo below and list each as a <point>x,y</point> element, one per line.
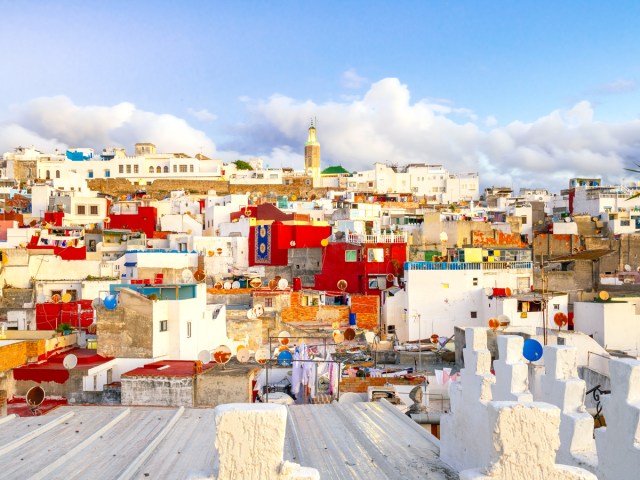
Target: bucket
<point>352,319</point>
<point>243,282</point>
<point>297,284</point>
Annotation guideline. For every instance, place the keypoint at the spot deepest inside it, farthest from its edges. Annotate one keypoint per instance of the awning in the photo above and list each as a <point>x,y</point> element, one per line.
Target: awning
<point>130,264</point>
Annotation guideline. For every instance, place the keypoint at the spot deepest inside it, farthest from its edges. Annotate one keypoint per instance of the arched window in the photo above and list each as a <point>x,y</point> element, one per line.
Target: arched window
<point>48,175</point>
<point>166,169</point>
<point>158,170</point>
<point>57,173</point>
<point>150,169</point>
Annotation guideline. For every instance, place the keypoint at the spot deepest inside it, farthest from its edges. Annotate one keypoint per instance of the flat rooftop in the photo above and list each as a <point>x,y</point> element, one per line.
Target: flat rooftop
<point>343,441</point>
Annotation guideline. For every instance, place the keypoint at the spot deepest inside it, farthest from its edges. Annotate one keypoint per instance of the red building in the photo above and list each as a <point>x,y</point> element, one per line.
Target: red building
<point>367,268</point>
<point>276,232</point>
<point>141,219</point>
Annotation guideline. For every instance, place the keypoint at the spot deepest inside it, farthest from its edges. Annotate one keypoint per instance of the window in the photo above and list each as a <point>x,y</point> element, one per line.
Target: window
<point>128,168</point>
<point>136,169</point>
<point>120,168</point>
<point>56,292</point>
<point>163,325</point>
<point>166,169</point>
<point>93,210</point>
<point>150,169</point>
<point>57,173</point>
<point>107,173</point>
<point>307,182</point>
<point>375,255</point>
<point>475,281</point>
<point>377,282</point>
<point>74,295</point>
<point>188,329</point>
<point>90,173</point>
<point>268,302</point>
<point>556,306</point>
<point>191,168</point>
<point>81,210</point>
<point>624,223</point>
<point>158,170</point>
<point>48,175</point>
<point>474,314</point>
<point>183,169</point>
<point>351,256</point>
<point>175,169</point>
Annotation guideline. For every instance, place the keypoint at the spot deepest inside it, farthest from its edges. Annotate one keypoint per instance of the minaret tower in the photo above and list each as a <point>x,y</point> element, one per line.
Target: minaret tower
<point>312,153</point>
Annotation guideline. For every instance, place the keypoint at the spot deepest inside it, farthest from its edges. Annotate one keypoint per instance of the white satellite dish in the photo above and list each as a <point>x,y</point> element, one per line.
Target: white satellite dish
<point>204,356</point>
<point>235,284</point>
<point>259,309</point>
<point>41,298</point>
<point>627,268</point>
<point>96,302</point>
<point>370,337</point>
<point>70,361</point>
<point>227,285</point>
<point>243,355</point>
<point>187,276</point>
<point>488,291</point>
<point>251,314</point>
<point>222,354</point>
<point>283,284</point>
<point>262,355</point>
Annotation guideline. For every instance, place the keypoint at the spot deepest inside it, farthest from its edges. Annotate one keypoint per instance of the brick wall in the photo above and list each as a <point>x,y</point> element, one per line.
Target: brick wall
<point>360,385</point>
<point>13,355</point>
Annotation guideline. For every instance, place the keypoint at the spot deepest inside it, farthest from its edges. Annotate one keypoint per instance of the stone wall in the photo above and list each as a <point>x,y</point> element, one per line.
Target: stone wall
<point>159,391</point>
<point>361,385</point>
<point>217,386</point>
<point>125,332</point>
<point>13,355</point>
<point>305,263</point>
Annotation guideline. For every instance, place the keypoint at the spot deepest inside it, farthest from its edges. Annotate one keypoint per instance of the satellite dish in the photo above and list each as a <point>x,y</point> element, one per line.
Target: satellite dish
<point>226,285</point>
<point>235,284</point>
<point>627,268</point>
<point>222,354</point>
<point>204,356</point>
<point>255,282</point>
<point>324,242</point>
<point>292,243</point>
<point>338,336</point>
<point>35,397</point>
<point>434,338</point>
<point>259,309</point>
<point>243,355</point>
<point>560,319</point>
<point>488,291</point>
<point>283,336</point>
<point>199,275</point>
<point>349,334</point>
<point>283,284</point>
<point>187,276</point>
<point>41,298</point>
<point>251,314</point>
<point>285,358</point>
<point>110,302</point>
<point>96,302</point>
<point>273,284</point>
<point>370,337</point>
<point>604,295</point>
<point>532,350</point>
<point>66,298</point>
<point>70,361</point>
<point>217,285</point>
<point>33,223</point>
<point>390,277</point>
<point>444,237</point>
<point>262,355</point>
<point>494,323</point>
<point>504,320</point>
<point>55,298</point>
<point>210,253</point>
<point>342,285</point>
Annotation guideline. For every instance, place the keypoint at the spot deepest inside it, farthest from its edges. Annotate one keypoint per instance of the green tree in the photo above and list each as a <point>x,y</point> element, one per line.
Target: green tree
<point>242,165</point>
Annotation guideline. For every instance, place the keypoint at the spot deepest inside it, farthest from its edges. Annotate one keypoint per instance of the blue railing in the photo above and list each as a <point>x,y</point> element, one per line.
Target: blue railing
<point>467,265</point>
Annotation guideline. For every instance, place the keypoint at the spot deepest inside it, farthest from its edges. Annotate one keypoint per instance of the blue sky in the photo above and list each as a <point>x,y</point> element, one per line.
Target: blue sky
<point>526,93</point>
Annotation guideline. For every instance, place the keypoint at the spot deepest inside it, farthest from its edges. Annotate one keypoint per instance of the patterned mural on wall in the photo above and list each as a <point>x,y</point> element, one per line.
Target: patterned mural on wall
<point>263,244</point>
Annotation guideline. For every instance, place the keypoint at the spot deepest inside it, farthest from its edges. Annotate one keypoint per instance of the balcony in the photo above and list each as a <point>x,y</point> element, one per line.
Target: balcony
<point>520,265</point>
<point>359,239</point>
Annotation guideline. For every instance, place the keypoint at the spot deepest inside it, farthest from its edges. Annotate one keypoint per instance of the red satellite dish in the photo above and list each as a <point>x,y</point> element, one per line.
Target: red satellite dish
<point>560,319</point>
<point>494,323</point>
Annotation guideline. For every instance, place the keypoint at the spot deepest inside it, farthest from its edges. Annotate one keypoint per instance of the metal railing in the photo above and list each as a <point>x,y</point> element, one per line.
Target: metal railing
<point>518,265</point>
<point>357,238</point>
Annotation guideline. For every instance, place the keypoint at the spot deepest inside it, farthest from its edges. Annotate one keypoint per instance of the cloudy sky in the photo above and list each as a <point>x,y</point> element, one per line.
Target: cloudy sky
<point>525,93</point>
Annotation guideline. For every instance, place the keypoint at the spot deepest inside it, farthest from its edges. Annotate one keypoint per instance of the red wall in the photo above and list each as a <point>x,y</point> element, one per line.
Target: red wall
<point>54,218</point>
<point>50,315</point>
<point>143,221</point>
<point>304,236</point>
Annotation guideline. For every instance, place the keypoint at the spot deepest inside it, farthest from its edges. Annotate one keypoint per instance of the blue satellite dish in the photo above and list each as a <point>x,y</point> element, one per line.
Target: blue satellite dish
<point>532,350</point>
<point>110,302</point>
<point>285,358</point>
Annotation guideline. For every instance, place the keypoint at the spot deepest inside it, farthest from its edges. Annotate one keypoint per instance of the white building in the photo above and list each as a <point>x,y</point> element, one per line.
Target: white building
<point>431,181</point>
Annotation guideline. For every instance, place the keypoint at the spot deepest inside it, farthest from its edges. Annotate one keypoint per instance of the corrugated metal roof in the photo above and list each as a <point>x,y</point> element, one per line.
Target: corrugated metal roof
<point>362,440</point>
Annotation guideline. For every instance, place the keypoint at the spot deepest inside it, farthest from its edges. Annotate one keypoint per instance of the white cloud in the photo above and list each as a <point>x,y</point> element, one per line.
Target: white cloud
<point>202,115</point>
<point>351,79</point>
<point>56,122</point>
<point>386,125</point>
<point>621,85</point>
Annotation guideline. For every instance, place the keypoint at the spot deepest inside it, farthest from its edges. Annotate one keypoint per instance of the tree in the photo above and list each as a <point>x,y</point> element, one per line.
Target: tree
<point>242,165</point>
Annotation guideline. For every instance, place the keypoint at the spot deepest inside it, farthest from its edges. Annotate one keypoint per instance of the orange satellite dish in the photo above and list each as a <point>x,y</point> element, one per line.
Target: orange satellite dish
<point>55,298</point>
<point>560,319</point>
<point>494,323</point>
<point>434,338</point>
